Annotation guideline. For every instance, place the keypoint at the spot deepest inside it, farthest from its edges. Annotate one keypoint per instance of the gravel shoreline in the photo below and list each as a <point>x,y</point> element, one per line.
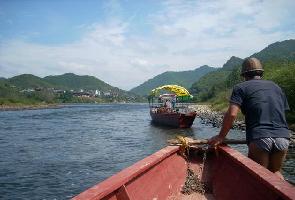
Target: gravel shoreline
<point>29,107</point>
<point>208,116</point>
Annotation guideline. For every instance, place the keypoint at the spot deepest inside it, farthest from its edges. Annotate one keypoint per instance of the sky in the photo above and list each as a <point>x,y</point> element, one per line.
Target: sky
<point>127,42</point>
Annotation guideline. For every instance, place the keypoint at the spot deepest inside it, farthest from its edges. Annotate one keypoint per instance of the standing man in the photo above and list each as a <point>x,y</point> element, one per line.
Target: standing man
<point>264,104</point>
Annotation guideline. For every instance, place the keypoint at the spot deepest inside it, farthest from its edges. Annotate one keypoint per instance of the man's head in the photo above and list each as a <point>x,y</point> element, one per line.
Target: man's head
<point>251,67</point>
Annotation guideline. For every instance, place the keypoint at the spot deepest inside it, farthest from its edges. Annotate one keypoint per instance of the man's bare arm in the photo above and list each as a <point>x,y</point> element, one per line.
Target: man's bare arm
<point>228,119</point>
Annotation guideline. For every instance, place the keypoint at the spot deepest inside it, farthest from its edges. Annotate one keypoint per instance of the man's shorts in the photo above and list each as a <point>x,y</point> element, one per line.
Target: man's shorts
<point>272,144</point>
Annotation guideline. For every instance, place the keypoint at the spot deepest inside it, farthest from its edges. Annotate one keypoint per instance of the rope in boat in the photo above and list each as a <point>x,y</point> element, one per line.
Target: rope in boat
<point>192,182</point>
<point>184,146</point>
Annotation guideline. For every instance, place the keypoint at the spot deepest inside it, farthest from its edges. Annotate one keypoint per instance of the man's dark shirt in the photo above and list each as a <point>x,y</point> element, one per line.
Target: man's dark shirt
<point>263,103</point>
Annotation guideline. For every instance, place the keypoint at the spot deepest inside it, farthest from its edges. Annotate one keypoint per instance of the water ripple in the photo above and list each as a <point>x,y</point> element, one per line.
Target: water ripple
<point>58,153</point>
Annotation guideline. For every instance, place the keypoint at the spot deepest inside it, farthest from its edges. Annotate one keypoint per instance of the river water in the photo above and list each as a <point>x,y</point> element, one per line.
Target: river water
<point>58,153</point>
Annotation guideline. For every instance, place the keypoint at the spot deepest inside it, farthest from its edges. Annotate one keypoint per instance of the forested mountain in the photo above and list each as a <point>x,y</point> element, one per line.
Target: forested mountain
<point>68,81</point>
<point>210,83</point>
<point>278,60</point>
<point>28,81</point>
<point>76,82</point>
<point>232,63</point>
<point>2,80</point>
<point>284,50</point>
<point>27,88</point>
<point>182,78</point>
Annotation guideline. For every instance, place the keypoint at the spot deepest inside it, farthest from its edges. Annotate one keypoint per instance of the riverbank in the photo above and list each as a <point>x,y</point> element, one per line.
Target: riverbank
<point>29,107</point>
<point>210,117</point>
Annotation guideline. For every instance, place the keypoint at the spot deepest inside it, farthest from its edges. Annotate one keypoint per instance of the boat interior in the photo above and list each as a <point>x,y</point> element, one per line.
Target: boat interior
<point>223,174</point>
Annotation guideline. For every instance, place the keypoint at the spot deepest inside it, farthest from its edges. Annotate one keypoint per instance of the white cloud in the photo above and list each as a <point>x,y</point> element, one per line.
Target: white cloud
<point>111,33</point>
<point>184,35</point>
<point>139,62</point>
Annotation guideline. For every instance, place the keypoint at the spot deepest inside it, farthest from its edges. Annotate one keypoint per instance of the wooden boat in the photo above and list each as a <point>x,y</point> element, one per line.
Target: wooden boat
<point>173,118</point>
<point>169,110</point>
<point>227,175</point>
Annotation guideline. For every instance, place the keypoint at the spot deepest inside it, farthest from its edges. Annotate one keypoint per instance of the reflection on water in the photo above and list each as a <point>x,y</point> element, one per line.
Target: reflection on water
<point>57,153</point>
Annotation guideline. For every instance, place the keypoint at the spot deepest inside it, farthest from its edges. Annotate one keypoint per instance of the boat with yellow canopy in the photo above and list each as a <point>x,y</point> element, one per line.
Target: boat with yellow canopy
<point>168,106</point>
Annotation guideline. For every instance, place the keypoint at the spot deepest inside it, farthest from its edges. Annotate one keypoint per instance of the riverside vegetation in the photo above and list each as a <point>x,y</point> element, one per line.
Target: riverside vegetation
<point>218,95</point>
<point>278,60</point>
<point>29,91</point>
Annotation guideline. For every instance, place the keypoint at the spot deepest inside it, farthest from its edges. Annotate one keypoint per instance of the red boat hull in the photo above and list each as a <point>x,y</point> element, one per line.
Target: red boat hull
<point>229,174</point>
<point>174,119</point>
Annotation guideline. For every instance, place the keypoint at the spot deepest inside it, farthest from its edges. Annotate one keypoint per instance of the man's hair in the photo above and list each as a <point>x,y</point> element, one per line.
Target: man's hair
<point>252,74</point>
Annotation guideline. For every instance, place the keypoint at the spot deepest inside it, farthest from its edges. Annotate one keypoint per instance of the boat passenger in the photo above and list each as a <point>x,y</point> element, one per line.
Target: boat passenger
<point>168,104</point>
<point>173,102</point>
<point>264,104</point>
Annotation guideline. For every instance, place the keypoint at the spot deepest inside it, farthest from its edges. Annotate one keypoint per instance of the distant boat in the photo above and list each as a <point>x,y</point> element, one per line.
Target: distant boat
<point>170,109</point>
<point>162,175</point>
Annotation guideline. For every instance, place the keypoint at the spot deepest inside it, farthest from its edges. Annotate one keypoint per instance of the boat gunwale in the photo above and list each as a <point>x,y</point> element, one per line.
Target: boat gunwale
<point>192,113</point>
<point>268,178</point>
<point>115,182</point>
<point>128,174</point>
<point>182,120</point>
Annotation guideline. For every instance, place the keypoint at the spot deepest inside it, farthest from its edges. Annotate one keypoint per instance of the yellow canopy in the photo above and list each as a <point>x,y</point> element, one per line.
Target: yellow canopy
<point>178,90</point>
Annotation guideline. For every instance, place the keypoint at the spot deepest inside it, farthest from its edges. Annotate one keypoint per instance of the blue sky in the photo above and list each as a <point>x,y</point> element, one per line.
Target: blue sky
<point>65,21</point>
<point>124,43</point>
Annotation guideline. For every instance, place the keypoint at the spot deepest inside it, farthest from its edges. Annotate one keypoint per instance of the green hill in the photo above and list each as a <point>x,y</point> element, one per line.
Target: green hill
<point>15,90</point>
<point>209,84</point>
<point>2,80</point>
<point>76,82</point>
<point>182,78</point>
<point>10,94</point>
<point>68,81</point>
<point>213,83</point>
<point>284,50</point>
<point>233,63</point>
<point>279,65</point>
<point>25,81</point>
<point>275,58</point>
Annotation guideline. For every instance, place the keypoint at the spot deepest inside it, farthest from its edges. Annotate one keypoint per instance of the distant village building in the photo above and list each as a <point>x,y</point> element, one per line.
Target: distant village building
<point>82,94</point>
<point>28,90</point>
<point>59,91</point>
<point>38,89</point>
<point>107,93</point>
<point>97,93</point>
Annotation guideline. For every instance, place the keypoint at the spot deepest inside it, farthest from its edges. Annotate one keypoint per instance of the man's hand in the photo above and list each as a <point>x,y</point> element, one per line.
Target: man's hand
<point>227,123</point>
<point>215,140</point>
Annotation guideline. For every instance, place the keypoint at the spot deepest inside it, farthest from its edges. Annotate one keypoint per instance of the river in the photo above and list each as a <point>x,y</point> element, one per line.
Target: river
<point>58,153</point>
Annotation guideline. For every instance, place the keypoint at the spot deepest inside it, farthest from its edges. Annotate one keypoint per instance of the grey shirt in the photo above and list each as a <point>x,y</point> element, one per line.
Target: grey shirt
<point>263,103</point>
